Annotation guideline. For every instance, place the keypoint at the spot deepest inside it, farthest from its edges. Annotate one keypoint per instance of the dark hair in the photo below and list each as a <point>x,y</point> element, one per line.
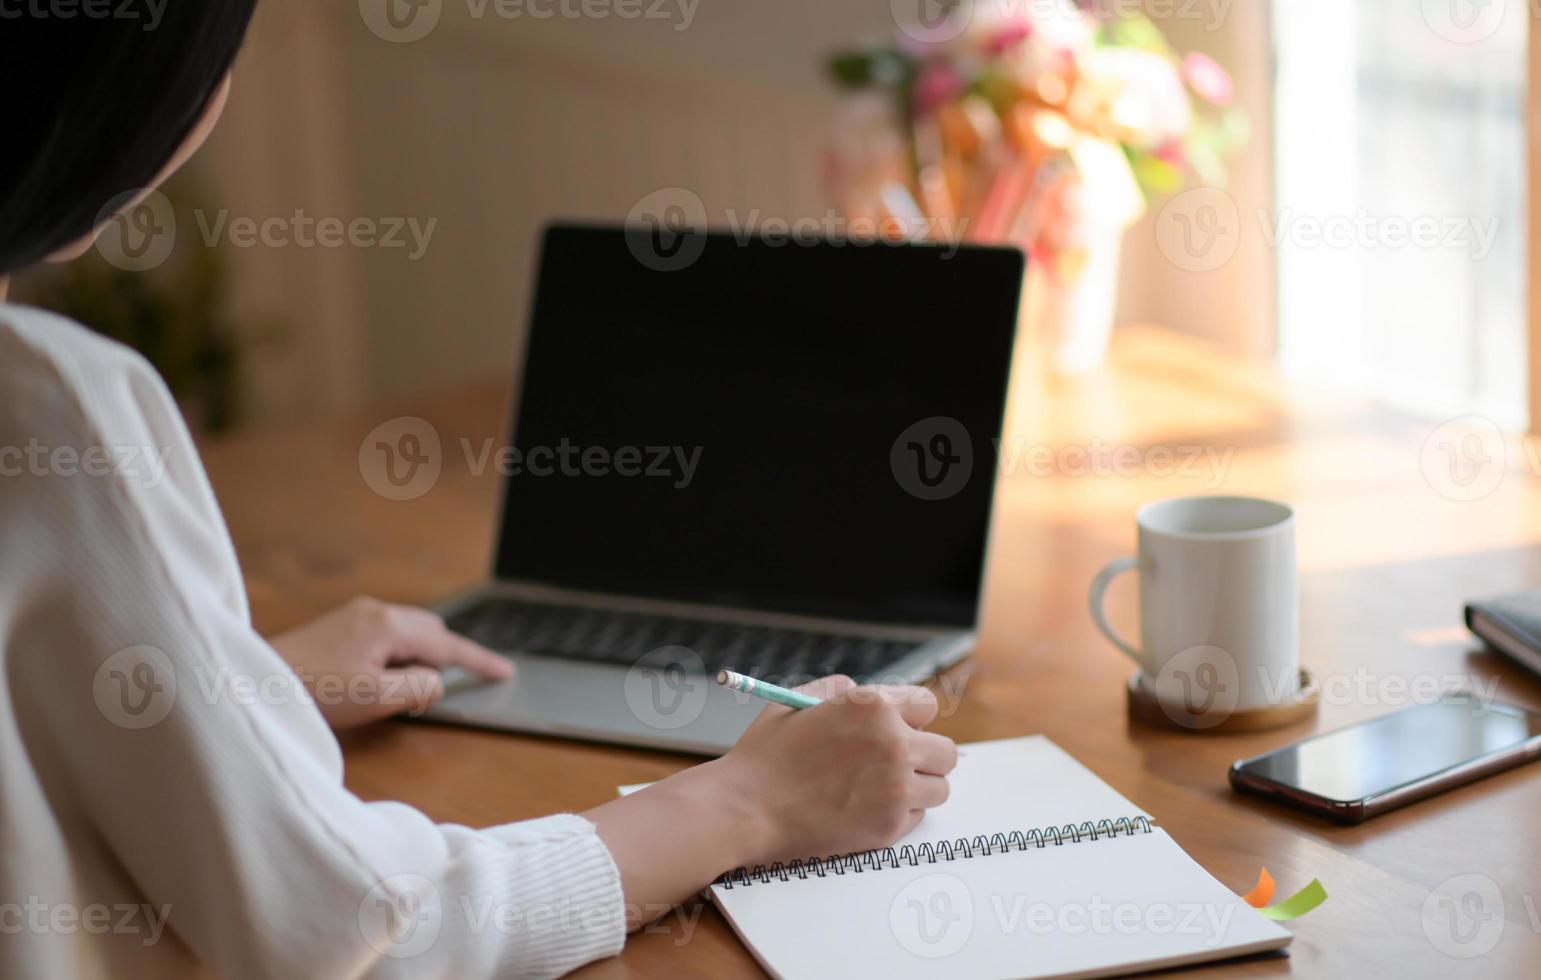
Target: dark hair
<point>96,104</point>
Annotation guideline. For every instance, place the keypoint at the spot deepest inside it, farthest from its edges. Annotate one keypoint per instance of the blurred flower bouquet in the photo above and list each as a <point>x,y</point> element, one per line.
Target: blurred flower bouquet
<point>1046,124</point>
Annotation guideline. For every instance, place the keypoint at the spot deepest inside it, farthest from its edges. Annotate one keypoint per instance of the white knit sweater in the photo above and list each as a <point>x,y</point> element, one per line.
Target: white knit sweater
<point>156,819</point>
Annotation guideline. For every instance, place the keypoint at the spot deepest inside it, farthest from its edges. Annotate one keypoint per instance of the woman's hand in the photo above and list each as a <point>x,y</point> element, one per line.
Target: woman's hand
<point>852,774</point>
<point>849,775</point>
<point>369,660</point>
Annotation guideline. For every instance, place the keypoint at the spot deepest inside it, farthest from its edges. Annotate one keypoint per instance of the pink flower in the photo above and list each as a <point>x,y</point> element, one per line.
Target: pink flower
<point>1172,152</point>
<point>1009,36</point>
<point>1208,79</point>
<point>938,83</point>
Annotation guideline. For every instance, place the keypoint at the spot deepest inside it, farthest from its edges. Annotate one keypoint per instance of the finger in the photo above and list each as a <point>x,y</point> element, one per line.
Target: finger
<point>830,688</point>
<point>935,755</point>
<point>928,791</point>
<point>426,640</point>
<point>917,706</point>
<point>462,652</point>
<point>414,618</point>
<point>410,690</point>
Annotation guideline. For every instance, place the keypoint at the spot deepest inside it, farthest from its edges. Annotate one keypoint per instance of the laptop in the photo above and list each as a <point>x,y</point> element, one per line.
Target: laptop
<point>728,452</point>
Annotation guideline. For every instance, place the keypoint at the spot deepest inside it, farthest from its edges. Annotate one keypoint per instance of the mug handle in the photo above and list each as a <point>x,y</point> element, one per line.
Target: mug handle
<point>1100,584</point>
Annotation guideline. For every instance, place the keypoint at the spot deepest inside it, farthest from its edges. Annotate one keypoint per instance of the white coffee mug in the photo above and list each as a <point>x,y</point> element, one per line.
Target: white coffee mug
<point>1219,603</point>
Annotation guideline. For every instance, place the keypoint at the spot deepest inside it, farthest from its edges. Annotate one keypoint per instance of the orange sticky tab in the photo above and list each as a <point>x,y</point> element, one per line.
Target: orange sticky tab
<point>1262,894</point>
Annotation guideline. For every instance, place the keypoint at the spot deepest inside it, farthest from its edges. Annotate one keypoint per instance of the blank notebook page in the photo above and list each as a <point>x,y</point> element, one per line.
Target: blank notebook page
<point>1018,784</point>
<point>1079,909</point>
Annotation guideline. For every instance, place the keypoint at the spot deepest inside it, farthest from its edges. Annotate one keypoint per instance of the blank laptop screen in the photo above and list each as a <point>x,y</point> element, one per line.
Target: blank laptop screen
<point>804,428</point>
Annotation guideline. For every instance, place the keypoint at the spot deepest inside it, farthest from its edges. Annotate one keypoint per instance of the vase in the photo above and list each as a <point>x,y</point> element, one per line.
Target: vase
<point>1068,308</point>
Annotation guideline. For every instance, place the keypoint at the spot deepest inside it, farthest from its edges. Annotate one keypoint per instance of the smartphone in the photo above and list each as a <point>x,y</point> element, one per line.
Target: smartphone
<point>1357,772</point>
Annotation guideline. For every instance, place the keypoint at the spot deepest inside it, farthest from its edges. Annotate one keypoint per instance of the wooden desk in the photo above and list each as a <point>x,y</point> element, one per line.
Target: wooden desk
<point>1387,561</point>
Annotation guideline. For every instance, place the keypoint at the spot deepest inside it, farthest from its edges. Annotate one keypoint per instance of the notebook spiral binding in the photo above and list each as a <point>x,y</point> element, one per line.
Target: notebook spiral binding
<point>911,855</point>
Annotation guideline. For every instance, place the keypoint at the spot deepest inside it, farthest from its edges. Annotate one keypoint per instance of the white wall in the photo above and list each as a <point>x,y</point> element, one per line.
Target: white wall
<point>490,126</point>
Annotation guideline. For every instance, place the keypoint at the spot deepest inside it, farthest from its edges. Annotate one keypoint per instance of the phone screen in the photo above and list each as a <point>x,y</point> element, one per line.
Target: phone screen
<point>1377,756</point>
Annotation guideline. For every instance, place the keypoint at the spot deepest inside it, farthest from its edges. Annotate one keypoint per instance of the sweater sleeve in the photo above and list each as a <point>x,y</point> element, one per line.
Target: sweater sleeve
<point>202,765</point>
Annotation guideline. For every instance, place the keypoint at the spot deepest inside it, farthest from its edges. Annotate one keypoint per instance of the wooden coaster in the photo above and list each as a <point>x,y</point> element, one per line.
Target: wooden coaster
<point>1145,708</point>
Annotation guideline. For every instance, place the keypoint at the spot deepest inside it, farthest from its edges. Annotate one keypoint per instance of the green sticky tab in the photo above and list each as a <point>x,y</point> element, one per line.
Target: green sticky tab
<point>1297,904</point>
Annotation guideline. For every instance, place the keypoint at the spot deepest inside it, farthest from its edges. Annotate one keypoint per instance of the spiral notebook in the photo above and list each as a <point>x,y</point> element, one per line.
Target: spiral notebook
<point>1033,868</point>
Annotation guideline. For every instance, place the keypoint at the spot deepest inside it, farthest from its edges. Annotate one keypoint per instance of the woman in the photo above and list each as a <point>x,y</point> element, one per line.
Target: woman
<point>156,824</point>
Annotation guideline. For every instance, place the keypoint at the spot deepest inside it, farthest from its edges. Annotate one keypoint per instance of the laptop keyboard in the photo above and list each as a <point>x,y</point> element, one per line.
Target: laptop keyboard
<point>611,637</point>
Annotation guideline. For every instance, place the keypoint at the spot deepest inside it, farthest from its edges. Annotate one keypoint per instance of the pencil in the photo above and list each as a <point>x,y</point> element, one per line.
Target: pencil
<point>735,681</point>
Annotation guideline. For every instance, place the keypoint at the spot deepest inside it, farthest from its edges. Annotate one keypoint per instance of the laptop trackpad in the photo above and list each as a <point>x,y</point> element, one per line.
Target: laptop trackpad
<point>660,704</point>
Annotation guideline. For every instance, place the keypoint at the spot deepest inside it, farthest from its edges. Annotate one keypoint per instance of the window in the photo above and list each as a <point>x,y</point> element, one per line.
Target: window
<point>1401,204</point>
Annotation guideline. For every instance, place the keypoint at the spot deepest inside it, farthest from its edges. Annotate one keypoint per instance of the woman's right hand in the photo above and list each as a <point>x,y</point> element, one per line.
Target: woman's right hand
<point>852,774</point>
<point>848,775</point>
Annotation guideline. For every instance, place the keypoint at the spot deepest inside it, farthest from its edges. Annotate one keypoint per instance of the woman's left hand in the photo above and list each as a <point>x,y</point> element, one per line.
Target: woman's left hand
<point>370,660</point>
